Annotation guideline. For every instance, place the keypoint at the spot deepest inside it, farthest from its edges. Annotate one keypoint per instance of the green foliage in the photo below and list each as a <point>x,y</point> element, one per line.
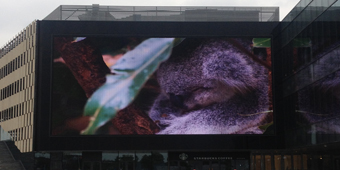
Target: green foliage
<point>131,72</point>
<point>297,42</point>
<point>261,42</point>
<point>266,126</point>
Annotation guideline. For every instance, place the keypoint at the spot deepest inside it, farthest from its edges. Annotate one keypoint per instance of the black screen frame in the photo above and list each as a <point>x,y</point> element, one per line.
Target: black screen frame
<point>44,141</point>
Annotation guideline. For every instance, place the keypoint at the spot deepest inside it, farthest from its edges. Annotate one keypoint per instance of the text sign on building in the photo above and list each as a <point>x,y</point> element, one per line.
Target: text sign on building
<point>206,156</point>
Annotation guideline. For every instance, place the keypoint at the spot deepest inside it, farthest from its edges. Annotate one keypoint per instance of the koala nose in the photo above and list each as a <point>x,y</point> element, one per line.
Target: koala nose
<point>177,100</point>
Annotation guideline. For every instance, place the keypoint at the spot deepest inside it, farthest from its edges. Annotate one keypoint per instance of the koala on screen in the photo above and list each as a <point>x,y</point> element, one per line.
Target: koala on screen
<point>209,86</point>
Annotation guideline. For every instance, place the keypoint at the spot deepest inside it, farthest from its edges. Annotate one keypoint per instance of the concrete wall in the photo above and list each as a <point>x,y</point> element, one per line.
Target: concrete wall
<point>17,77</point>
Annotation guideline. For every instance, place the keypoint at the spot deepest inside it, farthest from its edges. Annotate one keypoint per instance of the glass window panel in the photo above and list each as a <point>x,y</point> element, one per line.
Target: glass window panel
<point>252,164</point>
<point>110,156</point>
<point>258,162</point>
<point>309,162</point>
<point>96,165</point>
<point>214,165</point>
<point>297,162</point>
<point>326,162</point>
<point>126,156</point>
<point>287,162</point>
<point>206,165</point>
<point>240,165</point>
<point>126,165</point>
<point>196,165</point>
<point>72,160</point>
<point>151,160</point>
<point>184,165</point>
<point>127,160</point>
<point>173,165</point>
<point>226,164</point>
<point>277,162</point>
<point>42,160</point>
<point>87,166</point>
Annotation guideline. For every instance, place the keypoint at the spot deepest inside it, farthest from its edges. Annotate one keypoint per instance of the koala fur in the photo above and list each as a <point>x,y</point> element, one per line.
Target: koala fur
<point>211,87</point>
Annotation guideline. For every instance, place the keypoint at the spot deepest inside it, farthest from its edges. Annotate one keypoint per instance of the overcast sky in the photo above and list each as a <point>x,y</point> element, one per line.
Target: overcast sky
<point>17,14</point>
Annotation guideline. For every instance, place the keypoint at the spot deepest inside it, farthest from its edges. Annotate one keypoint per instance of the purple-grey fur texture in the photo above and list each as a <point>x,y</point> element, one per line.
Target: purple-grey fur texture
<point>209,86</point>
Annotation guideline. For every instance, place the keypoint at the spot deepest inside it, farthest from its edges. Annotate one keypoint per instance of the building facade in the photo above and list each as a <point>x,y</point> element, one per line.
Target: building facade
<point>17,88</point>
<point>303,132</point>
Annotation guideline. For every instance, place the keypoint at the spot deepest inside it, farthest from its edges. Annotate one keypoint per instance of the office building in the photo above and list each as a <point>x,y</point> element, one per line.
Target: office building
<point>247,92</point>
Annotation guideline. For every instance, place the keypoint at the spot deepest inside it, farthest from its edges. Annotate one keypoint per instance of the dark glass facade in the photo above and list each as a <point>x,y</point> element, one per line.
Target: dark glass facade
<point>306,80</point>
<point>306,63</point>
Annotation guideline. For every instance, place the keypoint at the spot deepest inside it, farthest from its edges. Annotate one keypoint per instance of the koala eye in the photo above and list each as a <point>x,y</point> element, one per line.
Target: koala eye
<point>197,89</point>
<point>177,100</point>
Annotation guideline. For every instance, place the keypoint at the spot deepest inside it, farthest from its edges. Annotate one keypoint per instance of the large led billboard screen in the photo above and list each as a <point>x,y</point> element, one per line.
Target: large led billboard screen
<point>156,82</point>
<point>127,85</point>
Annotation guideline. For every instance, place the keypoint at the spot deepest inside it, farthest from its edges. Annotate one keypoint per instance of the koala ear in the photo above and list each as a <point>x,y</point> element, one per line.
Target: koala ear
<point>231,70</point>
